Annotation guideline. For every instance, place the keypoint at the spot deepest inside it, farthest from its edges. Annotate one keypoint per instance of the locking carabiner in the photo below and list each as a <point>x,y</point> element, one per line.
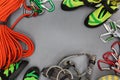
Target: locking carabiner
<point>40,5</point>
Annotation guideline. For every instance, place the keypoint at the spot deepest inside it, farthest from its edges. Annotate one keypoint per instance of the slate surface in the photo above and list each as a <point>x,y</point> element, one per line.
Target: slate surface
<point>61,33</point>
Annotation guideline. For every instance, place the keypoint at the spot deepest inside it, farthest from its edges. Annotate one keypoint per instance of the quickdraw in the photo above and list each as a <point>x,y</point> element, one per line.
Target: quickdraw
<point>67,69</point>
<point>112,32</point>
<point>114,63</point>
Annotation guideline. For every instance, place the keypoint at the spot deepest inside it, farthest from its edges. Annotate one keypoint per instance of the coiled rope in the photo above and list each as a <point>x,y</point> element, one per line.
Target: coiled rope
<point>11,48</point>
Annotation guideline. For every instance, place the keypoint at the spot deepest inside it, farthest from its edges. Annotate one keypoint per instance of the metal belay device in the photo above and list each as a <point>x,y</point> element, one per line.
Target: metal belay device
<point>67,68</point>
<point>57,73</point>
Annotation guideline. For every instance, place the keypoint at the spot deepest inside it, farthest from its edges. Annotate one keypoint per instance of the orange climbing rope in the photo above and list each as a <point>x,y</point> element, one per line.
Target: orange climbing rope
<point>11,48</point>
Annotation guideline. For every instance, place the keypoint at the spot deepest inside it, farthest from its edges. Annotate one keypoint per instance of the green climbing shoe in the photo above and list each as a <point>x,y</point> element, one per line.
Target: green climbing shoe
<point>102,14</point>
<point>32,74</point>
<point>14,70</point>
<point>69,5</point>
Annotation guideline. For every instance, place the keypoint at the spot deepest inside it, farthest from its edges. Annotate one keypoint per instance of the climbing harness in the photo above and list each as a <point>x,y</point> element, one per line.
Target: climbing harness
<point>114,63</point>
<point>113,31</point>
<point>67,69</point>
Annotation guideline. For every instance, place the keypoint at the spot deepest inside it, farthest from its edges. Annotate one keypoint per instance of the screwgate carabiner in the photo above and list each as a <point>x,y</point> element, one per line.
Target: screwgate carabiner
<point>38,5</point>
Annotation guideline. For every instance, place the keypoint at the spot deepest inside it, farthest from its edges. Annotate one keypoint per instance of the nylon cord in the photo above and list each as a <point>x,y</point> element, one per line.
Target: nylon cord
<point>11,48</point>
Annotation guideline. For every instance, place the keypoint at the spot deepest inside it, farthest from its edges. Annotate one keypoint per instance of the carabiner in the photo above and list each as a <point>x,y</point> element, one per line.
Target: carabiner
<point>40,5</point>
<point>116,43</point>
<point>112,32</point>
<point>105,62</point>
<point>107,55</point>
<point>30,13</point>
<point>51,4</point>
<point>35,7</point>
<point>102,36</point>
<point>29,10</point>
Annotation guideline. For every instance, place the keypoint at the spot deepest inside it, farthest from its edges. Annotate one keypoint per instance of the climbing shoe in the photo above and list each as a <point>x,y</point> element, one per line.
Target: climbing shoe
<point>32,74</point>
<point>13,71</point>
<point>69,5</point>
<point>102,14</point>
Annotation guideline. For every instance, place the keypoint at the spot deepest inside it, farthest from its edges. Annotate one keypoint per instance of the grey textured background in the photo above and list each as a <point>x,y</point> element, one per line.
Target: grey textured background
<point>60,33</point>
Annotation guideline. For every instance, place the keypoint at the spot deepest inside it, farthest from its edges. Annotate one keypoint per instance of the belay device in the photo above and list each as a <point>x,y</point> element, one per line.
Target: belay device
<point>67,69</point>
